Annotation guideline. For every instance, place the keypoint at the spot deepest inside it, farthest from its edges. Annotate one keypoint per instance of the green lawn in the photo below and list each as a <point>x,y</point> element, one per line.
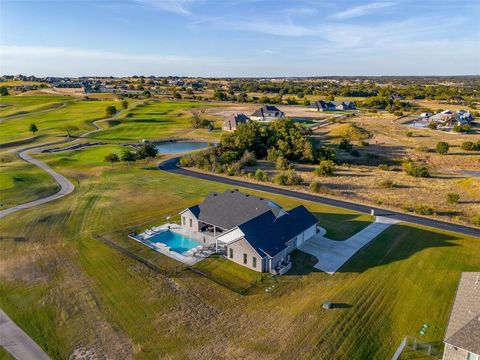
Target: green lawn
<point>51,124</point>
<point>157,120</point>
<point>5,355</point>
<point>68,290</point>
<point>21,182</point>
<point>17,105</point>
<point>227,273</point>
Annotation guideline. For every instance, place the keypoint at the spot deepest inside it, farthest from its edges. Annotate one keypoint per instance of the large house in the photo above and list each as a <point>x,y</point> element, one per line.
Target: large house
<point>232,121</point>
<point>462,338</point>
<point>254,232</point>
<point>333,105</point>
<point>448,118</point>
<point>267,113</point>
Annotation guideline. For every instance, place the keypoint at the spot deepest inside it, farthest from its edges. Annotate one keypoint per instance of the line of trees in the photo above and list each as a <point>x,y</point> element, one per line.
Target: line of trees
<point>146,151</point>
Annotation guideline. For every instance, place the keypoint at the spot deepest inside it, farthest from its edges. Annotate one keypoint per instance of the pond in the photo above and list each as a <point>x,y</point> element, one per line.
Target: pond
<point>177,147</point>
<point>471,173</point>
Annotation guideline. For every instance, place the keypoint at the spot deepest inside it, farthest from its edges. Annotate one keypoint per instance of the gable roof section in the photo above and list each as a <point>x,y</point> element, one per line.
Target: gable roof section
<point>463,328</point>
<point>232,208</point>
<point>235,119</point>
<point>268,110</point>
<point>268,233</point>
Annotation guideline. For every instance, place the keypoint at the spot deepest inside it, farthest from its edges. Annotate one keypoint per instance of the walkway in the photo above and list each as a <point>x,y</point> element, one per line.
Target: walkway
<point>332,254</point>
<point>17,343</point>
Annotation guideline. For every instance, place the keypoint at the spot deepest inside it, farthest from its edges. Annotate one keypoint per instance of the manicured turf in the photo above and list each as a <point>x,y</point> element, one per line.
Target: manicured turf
<point>79,114</point>
<point>5,355</point>
<point>16,105</point>
<point>68,290</point>
<point>21,182</point>
<point>156,121</point>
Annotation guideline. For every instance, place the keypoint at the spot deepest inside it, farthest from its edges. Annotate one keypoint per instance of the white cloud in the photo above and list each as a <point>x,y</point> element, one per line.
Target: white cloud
<point>179,7</point>
<point>361,10</point>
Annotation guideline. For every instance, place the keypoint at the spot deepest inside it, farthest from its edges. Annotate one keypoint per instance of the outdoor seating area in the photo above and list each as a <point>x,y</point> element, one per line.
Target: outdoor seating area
<point>282,267</point>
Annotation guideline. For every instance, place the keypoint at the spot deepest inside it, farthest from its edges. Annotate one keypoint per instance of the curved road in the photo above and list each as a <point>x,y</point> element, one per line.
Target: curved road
<point>171,166</point>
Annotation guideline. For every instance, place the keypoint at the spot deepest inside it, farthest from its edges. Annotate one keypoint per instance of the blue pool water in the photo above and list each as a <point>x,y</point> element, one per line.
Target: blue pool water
<point>176,242</point>
<point>180,147</point>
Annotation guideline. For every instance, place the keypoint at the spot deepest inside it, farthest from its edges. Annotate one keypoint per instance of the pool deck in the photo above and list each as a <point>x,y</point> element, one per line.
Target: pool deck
<point>186,258</point>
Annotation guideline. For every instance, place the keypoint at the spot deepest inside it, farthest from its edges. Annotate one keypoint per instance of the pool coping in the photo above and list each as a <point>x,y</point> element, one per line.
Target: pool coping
<point>143,238</point>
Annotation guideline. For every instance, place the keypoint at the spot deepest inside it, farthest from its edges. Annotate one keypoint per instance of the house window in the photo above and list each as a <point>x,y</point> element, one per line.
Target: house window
<point>471,356</point>
<point>184,222</point>
<point>245,259</point>
<point>254,262</point>
<point>230,253</point>
<point>191,223</point>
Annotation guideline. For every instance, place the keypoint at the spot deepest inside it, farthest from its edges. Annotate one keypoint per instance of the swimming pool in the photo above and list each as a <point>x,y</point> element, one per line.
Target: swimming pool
<point>174,241</point>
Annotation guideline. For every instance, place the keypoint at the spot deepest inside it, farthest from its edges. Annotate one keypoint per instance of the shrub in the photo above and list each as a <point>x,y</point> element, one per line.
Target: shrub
<point>248,159</point>
<point>442,147</point>
<point>423,210</point>
<point>282,164</point>
<point>398,113</point>
<point>409,134</point>
<point>229,157</point>
<point>288,177</point>
<point>384,167</point>
<point>345,144</point>
<point>453,198</point>
<point>466,128</point>
<point>272,154</point>
<point>469,146</point>
<point>261,175</point>
<point>319,188</point>
<point>457,128</point>
<point>325,168</point>
<point>187,161</point>
<point>364,143</point>
<point>415,170</point>
<point>355,153</point>
<point>432,126</point>
<point>476,220</point>
<point>386,184</point>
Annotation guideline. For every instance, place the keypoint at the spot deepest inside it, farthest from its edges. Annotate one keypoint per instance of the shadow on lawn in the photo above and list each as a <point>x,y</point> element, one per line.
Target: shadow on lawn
<point>397,243</point>
<point>341,226</point>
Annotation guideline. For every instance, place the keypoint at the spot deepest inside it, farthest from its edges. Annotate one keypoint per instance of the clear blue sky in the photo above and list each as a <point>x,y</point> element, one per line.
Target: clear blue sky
<point>239,37</point>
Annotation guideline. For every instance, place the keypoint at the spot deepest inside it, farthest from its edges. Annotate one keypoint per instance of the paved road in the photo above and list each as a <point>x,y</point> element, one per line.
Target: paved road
<point>66,187</point>
<point>17,343</point>
<point>171,165</point>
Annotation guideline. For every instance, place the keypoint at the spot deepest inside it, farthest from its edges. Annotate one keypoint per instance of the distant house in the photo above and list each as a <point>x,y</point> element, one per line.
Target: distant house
<point>448,118</point>
<point>333,105</point>
<point>232,121</point>
<point>395,96</point>
<point>267,113</point>
<point>462,338</point>
<point>254,232</point>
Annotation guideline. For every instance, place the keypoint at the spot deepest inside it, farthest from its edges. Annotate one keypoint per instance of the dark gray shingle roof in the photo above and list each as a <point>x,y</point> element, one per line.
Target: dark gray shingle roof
<point>268,233</point>
<point>232,208</point>
<point>268,110</point>
<point>463,328</point>
<point>233,120</point>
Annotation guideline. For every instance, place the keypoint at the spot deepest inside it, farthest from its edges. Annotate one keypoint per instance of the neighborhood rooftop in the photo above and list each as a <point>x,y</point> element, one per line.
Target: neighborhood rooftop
<point>267,110</point>
<point>232,208</point>
<point>463,329</point>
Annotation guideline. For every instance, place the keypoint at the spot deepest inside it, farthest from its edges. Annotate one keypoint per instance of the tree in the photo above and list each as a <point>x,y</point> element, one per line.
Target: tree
<point>129,156</point>
<point>3,91</point>
<point>69,128</point>
<point>147,150</point>
<point>325,168</point>
<point>442,147</point>
<point>261,175</point>
<point>33,129</point>
<point>111,111</point>
<point>124,104</point>
<point>111,158</point>
<point>453,198</point>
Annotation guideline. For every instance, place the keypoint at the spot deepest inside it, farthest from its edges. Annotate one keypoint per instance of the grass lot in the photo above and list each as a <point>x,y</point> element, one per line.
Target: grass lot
<point>69,291</point>
<point>50,124</point>
<point>157,120</point>
<point>227,273</point>
<point>21,182</point>
<point>17,105</point>
<point>4,354</point>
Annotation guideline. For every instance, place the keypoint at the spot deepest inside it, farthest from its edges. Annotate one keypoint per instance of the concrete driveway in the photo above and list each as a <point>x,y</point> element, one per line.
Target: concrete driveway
<point>332,254</point>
